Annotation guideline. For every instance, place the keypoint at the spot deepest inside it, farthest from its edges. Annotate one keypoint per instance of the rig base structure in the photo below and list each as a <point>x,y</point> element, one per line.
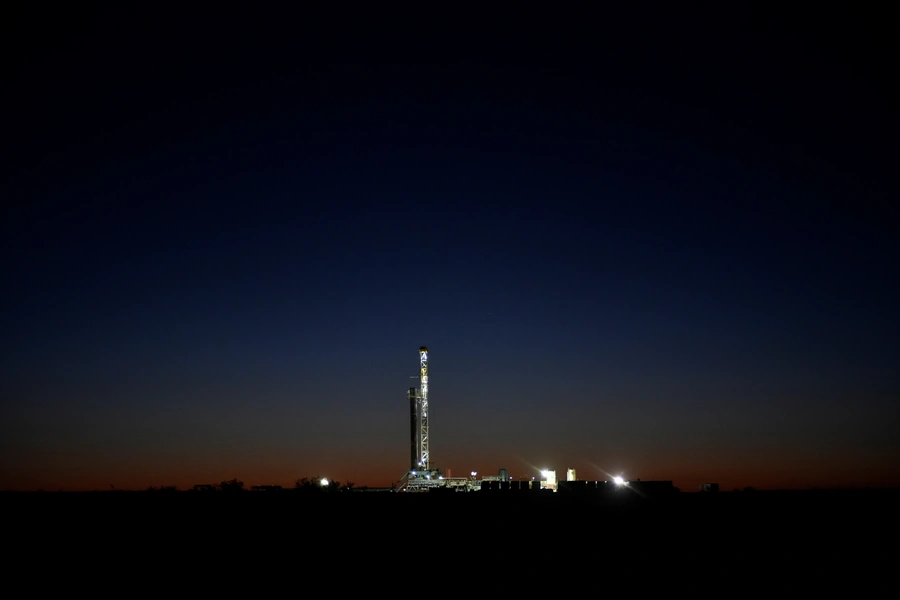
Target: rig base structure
<point>420,481</point>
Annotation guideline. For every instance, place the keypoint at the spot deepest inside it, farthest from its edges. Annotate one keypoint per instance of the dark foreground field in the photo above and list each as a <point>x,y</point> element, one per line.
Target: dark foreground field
<point>684,539</point>
<point>522,513</point>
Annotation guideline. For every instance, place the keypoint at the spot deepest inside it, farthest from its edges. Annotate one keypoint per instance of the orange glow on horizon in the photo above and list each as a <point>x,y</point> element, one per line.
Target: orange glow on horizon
<point>786,475</point>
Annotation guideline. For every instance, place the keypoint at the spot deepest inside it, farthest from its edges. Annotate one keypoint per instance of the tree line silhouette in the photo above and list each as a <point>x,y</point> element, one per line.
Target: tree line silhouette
<point>316,485</point>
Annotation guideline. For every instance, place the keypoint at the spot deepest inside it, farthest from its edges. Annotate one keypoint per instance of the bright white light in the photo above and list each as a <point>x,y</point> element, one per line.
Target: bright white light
<point>428,477</point>
<point>474,473</point>
<point>440,476</point>
<point>545,473</point>
<point>324,482</point>
<point>413,472</point>
<point>618,480</point>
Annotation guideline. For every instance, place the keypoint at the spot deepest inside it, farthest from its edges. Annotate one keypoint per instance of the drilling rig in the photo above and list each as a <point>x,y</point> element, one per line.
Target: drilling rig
<point>421,475</point>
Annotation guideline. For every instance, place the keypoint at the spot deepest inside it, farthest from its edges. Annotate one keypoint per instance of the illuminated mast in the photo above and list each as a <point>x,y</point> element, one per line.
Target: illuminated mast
<point>424,457</point>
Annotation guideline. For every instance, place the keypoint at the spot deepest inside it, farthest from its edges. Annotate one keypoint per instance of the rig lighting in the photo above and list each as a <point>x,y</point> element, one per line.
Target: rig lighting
<point>618,480</point>
<point>323,482</point>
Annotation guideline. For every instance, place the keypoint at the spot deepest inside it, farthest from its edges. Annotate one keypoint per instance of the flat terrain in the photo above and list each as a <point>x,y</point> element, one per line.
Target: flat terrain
<point>384,509</point>
<point>366,541</point>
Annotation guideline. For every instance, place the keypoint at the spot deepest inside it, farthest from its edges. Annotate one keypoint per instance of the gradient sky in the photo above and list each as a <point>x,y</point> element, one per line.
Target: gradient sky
<point>654,243</point>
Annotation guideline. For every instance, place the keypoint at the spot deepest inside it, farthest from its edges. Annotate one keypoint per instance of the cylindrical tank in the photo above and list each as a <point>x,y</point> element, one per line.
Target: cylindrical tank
<point>504,475</point>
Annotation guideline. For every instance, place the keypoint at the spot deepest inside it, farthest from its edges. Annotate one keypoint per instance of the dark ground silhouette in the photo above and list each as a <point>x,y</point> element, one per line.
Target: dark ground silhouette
<point>833,506</point>
<point>722,540</point>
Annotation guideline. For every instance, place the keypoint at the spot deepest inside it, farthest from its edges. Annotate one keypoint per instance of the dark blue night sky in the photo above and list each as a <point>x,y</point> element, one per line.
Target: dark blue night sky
<point>648,242</point>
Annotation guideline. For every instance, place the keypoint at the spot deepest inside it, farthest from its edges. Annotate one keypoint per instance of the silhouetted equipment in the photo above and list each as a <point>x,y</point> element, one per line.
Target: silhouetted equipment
<point>413,429</point>
<point>266,488</point>
<point>572,486</point>
<point>653,489</point>
<point>612,490</point>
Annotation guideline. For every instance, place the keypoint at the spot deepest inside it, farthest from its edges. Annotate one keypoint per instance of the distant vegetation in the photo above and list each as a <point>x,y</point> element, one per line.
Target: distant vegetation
<point>163,488</point>
<point>321,484</point>
<point>304,484</point>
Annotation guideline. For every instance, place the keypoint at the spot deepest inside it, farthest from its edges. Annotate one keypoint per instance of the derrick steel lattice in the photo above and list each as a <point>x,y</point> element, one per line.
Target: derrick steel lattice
<point>424,455</point>
<point>422,475</point>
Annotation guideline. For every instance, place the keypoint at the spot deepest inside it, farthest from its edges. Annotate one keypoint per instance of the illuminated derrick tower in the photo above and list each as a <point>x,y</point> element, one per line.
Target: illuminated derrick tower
<point>424,455</point>
<point>422,475</point>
